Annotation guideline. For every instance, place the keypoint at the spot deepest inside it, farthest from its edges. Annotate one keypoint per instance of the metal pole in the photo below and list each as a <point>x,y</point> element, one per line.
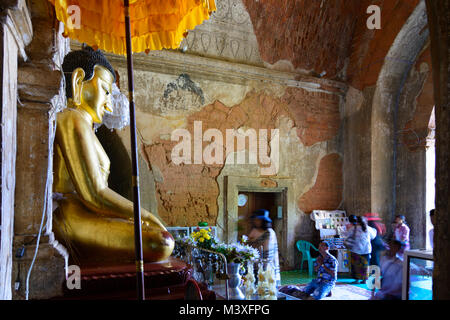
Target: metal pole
<point>135,167</point>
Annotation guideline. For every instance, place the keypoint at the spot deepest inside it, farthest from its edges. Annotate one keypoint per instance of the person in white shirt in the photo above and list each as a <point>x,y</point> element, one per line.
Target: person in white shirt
<point>358,238</point>
<point>391,265</point>
<point>378,245</point>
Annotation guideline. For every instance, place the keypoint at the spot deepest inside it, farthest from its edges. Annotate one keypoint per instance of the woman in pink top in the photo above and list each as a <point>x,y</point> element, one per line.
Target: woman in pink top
<point>401,231</point>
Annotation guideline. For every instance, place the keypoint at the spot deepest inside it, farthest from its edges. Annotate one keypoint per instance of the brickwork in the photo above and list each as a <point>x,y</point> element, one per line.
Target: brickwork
<point>331,36</point>
<point>370,47</point>
<point>316,114</point>
<point>326,194</point>
<point>290,30</point>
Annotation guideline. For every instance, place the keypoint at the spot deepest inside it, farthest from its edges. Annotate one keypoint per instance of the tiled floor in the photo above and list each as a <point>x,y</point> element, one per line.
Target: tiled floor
<point>294,277</point>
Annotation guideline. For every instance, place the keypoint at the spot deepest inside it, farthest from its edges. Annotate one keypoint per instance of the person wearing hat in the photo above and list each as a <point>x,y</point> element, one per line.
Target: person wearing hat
<point>378,245</point>
<point>263,238</point>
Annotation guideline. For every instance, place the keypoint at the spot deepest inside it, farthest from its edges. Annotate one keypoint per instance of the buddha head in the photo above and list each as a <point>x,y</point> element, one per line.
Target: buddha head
<point>89,79</point>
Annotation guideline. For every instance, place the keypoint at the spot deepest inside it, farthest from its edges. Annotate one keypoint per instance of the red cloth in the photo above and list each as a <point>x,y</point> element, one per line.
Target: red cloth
<point>374,218</point>
<point>381,228</point>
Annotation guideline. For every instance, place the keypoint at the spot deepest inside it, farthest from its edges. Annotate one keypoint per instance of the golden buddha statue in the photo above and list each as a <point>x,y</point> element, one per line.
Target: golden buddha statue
<point>94,222</point>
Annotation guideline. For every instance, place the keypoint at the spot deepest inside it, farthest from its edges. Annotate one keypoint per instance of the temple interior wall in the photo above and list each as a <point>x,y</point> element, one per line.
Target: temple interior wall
<point>325,139</point>
<point>309,124</point>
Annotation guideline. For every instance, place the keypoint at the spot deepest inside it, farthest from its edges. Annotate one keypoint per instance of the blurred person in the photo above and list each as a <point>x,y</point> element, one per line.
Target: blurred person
<point>263,238</point>
<point>391,265</point>
<point>352,220</point>
<point>401,232</point>
<point>431,232</point>
<point>378,245</point>
<point>358,239</point>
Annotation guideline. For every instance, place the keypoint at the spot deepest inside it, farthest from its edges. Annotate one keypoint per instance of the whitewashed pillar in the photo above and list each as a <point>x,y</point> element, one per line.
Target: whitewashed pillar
<point>15,34</point>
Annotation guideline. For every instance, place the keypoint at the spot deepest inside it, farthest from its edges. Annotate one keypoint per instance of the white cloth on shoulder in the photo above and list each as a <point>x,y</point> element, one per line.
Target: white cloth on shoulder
<point>362,243</point>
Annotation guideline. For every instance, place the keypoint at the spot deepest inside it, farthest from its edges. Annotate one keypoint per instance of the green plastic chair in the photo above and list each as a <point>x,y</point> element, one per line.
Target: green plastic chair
<point>305,248</point>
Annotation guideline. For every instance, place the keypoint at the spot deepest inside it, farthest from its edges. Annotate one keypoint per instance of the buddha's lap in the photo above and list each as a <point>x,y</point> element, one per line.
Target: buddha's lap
<point>90,232</point>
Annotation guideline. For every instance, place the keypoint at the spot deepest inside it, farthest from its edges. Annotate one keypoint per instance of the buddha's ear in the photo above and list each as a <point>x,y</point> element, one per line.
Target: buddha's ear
<point>77,85</point>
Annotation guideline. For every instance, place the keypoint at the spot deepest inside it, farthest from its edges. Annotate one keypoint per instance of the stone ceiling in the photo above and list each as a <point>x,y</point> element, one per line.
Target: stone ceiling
<point>302,36</point>
<point>327,35</point>
<point>313,35</point>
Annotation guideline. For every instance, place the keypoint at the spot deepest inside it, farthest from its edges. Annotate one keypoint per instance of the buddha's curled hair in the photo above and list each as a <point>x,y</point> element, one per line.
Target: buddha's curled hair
<point>87,59</point>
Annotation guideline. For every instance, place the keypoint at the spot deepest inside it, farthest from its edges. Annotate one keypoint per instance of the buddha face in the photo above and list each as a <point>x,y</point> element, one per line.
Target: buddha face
<point>95,94</point>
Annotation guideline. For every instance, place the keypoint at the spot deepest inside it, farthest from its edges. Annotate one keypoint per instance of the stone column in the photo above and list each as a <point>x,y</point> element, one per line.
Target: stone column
<point>439,25</point>
<point>39,89</point>
<point>382,192</point>
<point>15,34</point>
<point>357,142</point>
<point>397,65</point>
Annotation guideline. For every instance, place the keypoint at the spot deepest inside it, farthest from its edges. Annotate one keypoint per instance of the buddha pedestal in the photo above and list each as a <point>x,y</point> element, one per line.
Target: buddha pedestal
<point>163,281</point>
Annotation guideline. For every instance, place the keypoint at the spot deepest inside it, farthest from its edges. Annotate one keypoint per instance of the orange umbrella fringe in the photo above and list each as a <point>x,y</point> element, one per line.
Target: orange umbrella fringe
<point>148,33</point>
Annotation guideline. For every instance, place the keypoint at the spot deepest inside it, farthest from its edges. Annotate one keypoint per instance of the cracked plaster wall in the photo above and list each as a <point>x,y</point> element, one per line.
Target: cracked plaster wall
<point>309,124</point>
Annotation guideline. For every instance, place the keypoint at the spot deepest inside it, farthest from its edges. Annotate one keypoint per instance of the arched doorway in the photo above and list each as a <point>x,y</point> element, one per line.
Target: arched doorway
<point>393,189</point>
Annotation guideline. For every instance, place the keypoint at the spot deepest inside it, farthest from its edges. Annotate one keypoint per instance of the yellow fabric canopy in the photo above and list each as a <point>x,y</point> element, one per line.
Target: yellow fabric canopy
<point>155,24</point>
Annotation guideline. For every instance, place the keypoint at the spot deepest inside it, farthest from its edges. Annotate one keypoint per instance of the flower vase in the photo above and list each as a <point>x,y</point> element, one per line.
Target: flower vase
<point>234,282</point>
<point>266,288</point>
<point>209,276</point>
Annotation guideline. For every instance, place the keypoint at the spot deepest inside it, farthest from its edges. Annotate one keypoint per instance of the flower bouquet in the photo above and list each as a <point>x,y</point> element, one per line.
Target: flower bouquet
<point>237,255</point>
<point>203,238</point>
<point>236,252</point>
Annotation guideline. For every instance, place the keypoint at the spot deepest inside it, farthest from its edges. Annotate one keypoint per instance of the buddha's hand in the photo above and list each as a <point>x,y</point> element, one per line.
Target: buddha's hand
<point>150,221</point>
<point>157,242</point>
